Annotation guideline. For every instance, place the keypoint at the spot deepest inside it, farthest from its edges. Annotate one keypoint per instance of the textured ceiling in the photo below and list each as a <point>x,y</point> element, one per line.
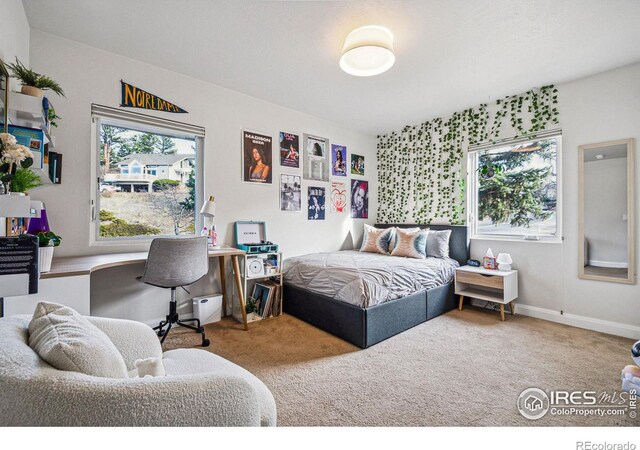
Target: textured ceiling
<point>449,54</point>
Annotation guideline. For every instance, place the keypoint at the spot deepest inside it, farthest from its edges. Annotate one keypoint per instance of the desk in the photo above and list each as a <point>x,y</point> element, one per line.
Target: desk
<point>73,273</point>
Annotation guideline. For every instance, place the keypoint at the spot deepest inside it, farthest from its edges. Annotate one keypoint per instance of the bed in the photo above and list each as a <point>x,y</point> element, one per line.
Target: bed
<point>358,310</point>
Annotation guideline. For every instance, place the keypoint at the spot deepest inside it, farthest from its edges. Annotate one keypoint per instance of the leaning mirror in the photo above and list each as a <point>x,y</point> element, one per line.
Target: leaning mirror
<point>606,212</point>
<point>4,90</point>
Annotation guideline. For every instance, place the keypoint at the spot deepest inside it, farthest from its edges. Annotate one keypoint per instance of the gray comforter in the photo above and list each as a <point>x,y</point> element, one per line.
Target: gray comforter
<point>366,279</point>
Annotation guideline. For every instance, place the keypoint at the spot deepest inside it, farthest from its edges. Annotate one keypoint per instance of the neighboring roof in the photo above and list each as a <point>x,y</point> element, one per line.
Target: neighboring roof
<point>154,159</point>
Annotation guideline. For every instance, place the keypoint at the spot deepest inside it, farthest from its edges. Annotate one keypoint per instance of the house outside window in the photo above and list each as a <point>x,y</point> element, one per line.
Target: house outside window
<point>514,189</point>
<point>140,158</point>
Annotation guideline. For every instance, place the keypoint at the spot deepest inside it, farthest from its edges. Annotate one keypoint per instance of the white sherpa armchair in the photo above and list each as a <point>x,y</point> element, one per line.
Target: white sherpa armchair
<point>200,389</point>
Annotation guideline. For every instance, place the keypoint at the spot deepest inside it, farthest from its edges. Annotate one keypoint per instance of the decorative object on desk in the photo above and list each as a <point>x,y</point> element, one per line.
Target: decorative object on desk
<point>251,237</point>
<point>504,261</point>
<point>39,222</point>
<point>47,242</point>
<point>316,197</point>
<point>19,275</point>
<point>257,156</point>
<point>473,263</point>
<point>16,226</point>
<point>208,211</point>
<point>13,156</point>
<point>33,83</point>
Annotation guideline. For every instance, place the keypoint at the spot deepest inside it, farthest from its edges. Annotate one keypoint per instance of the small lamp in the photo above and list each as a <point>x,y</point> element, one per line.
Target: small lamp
<point>504,261</point>
<point>208,210</point>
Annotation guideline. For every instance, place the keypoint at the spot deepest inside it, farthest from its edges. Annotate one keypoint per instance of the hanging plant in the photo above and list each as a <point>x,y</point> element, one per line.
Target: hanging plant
<point>423,163</point>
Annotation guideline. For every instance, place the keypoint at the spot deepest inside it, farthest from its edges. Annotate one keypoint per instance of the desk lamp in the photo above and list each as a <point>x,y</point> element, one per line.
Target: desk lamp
<point>208,211</point>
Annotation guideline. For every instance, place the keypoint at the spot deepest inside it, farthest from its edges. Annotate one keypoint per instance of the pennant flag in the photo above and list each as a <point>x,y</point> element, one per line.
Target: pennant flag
<point>133,97</point>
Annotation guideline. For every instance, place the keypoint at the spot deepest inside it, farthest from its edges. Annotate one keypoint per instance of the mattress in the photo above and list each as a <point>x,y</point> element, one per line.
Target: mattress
<point>366,279</point>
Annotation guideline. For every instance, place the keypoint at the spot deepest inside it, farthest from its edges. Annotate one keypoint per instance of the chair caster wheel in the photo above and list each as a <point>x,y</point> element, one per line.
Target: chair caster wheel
<point>201,330</point>
<point>205,343</point>
<point>160,333</point>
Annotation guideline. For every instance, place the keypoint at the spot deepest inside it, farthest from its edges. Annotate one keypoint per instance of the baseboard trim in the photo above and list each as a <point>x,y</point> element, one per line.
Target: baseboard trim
<point>603,326</point>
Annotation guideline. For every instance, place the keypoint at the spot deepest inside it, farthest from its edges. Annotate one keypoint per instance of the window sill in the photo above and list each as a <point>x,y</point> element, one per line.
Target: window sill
<point>549,240</point>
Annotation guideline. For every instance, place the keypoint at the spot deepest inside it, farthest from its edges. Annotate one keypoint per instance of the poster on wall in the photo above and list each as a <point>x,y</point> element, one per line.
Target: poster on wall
<point>359,199</point>
<point>316,158</point>
<point>256,155</point>
<point>316,203</point>
<point>338,160</point>
<point>338,196</point>
<point>289,150</point>
<point>357,164</point>
<point>290,193</point>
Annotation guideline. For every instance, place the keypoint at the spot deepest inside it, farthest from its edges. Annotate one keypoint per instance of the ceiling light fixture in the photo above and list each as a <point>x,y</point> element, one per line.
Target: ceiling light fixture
<point>368,51</point>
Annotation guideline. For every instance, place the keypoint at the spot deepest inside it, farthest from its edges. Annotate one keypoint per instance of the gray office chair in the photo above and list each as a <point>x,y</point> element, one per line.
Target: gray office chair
<point>174,263</point>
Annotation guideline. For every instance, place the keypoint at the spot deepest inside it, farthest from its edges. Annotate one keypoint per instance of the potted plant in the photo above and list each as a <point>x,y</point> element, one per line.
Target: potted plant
<point>33,83</point>
<point>251,308</point>
<point>47,242</point>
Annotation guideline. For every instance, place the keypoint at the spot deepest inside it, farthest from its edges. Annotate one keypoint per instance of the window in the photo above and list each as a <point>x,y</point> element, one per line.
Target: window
<point>134,199</point>
<point>513,189</point>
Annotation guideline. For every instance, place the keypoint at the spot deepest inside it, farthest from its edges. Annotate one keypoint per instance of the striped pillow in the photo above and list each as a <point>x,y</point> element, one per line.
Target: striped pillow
<point>411,243</point>
<point>376,240</point>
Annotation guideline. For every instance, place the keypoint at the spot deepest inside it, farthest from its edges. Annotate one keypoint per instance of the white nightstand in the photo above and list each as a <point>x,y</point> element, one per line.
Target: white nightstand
<point>491,285</point>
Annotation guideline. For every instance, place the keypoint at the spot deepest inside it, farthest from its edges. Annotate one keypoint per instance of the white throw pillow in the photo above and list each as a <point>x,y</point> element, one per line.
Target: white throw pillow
<point>68,341</point>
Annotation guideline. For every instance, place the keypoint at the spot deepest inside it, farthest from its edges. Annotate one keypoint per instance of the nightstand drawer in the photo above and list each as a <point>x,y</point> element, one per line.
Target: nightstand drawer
<point>477,279</point>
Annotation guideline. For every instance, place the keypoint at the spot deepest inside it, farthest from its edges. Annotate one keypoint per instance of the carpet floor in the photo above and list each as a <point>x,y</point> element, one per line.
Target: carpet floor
<point>460,369</point>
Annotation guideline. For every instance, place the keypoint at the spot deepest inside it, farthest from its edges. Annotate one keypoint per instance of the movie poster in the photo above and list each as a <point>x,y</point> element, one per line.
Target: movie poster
<point>316,203</point>
<point>316,158</point>
<point>289,150</point>
<point>290,193</point>
<point>338,160</point>
<point>338,196</point>
<point>359,199</point>
<point>256,156</point>
<point>357,164</point>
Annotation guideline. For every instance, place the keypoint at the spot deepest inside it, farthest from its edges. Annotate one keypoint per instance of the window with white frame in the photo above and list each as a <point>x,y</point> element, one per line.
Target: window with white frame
<point>148,175</point>
<point>513,188</point>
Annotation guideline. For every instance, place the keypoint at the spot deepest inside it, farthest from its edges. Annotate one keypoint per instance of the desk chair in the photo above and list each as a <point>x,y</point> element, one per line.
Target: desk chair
<point>173,263</point>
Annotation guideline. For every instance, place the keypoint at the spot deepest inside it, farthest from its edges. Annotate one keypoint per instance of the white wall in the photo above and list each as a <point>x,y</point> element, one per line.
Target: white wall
<point>605,204</point>
<point>89,75</point>
<point>599,108</point>
<point>14,32</point>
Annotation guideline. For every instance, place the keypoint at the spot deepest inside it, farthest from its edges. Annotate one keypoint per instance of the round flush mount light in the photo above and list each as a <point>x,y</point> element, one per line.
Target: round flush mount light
<point>368,51</point>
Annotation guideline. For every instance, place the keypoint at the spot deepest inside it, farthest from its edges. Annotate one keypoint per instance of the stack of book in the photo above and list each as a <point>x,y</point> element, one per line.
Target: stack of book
<point>269,297</point>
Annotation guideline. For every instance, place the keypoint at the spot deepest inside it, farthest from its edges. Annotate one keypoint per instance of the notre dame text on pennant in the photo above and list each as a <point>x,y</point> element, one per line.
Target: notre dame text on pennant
<point>134,97</point>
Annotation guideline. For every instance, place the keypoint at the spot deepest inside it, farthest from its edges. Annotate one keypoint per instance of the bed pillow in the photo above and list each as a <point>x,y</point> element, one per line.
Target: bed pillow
<point>376,240</point>
<point>438,243</point>
<point>67,341</point>
<point>411,243</point>
<point>392,242</point>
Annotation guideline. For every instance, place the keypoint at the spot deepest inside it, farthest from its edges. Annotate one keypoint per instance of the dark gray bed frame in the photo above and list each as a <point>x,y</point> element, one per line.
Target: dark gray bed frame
<point>365,327</point>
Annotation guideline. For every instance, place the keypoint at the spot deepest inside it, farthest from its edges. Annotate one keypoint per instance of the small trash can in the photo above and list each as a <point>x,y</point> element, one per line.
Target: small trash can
<point>208,308</point>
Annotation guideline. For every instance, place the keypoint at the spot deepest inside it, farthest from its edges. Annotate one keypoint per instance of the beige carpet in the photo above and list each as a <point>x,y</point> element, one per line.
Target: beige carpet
<point>460,369</point>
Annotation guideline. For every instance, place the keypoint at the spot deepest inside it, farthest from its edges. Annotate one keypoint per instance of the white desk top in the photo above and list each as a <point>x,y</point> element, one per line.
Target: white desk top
<point>85,265</point>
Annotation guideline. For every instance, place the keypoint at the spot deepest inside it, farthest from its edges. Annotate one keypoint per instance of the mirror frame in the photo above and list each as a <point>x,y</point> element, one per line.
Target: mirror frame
<point>631,237</point>
<point>5,73</point>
